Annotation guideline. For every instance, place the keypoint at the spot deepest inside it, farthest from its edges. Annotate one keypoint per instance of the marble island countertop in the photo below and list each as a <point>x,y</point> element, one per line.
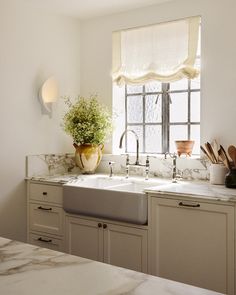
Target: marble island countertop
<point>27,270</point>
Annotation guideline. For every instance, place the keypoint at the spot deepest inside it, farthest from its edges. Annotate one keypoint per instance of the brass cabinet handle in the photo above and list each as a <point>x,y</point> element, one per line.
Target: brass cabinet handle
<point>45,193</point>
<point>46,209</point>
<point>44,240</point>
<point>104,226</point>
<point>99,224</point>
<point>189,205</point>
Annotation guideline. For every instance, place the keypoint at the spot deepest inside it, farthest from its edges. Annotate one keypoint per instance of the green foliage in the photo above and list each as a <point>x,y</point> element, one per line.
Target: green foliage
<point>87,121</point>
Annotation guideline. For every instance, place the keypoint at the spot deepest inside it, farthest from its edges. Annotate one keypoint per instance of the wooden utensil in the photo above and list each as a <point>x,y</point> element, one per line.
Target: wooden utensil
<point>209,153</point>
<point>232,153</point>
<point>210,149</point>
<point>215,147</point>
<point>223,156</point>
<point>204,151</point>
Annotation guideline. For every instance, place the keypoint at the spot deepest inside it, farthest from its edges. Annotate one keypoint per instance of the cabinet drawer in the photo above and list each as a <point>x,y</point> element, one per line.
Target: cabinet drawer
<point>46,218</point>
<point>45,193</point>
<point>46,242</point>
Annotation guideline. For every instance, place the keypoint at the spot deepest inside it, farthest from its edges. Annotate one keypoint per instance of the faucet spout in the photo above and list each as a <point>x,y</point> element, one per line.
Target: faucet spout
<point>137,143</point>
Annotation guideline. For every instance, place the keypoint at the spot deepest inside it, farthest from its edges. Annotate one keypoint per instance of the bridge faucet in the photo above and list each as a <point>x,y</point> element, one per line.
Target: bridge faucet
<point>137,143</point>
<point>146,165</point>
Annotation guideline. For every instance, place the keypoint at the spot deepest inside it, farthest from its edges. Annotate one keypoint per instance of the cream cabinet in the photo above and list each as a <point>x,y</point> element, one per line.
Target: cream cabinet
<point>84,238</point>
<point>193,242</point>
<point>45,215</point>
<point>116,244</point>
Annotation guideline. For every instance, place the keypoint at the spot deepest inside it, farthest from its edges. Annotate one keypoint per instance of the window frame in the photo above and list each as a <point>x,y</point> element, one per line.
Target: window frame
<point>165,95</point>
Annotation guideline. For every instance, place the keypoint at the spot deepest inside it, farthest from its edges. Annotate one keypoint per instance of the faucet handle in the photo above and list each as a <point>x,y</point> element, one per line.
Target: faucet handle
<point>111,164</point>
<point>127,160</point>
<point>147,168</point>
<point>147,161</point>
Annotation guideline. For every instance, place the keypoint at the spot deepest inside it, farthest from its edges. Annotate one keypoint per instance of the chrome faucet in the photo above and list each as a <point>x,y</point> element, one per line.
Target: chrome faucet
<point>147,165</point>
<point>175,176</point>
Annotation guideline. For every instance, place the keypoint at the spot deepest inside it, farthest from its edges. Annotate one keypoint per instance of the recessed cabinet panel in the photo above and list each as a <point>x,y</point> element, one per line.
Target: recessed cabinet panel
<point>125,247</point>
<point>84,238</point>
<point>46,218</point>
<point>46,242</point>
<point>45,193</point>
<point>193,243</point>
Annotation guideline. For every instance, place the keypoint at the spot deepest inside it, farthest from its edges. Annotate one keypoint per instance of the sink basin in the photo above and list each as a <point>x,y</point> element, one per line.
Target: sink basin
<point>96,182</point>
<point>132,187</point>
<point>113,198</point>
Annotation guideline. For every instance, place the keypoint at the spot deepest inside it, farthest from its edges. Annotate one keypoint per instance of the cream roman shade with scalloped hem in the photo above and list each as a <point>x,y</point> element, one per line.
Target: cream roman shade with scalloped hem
<point>164,52</point>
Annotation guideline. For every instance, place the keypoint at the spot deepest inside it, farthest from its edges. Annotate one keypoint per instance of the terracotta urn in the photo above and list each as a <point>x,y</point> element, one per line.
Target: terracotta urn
<point>184,147</point>
<point>88,157</point>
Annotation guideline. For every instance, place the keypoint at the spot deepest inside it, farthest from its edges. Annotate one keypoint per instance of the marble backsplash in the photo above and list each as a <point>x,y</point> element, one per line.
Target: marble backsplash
<point>55,164</point>
<point>50,165</point>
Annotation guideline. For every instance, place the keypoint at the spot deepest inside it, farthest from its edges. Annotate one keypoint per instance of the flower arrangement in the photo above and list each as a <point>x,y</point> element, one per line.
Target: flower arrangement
<point>87,121</point>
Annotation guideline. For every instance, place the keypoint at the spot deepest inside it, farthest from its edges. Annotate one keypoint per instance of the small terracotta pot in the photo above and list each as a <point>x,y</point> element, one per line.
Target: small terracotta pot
<point>88,157</point>
<point>184,147</point>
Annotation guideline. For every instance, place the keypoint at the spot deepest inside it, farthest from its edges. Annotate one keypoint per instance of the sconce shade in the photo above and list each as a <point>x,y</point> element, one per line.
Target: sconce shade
<point>49,90</point>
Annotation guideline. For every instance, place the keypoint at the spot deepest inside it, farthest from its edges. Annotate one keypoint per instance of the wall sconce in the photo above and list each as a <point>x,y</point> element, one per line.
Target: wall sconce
<point>49,93</point>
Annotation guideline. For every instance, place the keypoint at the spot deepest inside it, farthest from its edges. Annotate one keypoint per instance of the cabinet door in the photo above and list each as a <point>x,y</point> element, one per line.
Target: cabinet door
<point>126,247</point>
<point>46,218</point>
<point>193,243</point>
<point>84,238</point>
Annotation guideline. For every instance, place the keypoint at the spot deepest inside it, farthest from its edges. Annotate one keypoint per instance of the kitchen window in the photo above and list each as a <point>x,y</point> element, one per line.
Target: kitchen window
<point>158,69</point>
<point>161,113</point>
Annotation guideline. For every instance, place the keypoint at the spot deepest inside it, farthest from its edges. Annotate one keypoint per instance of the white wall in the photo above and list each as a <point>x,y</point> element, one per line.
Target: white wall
<point>218,103</point>
<point>34,45</point>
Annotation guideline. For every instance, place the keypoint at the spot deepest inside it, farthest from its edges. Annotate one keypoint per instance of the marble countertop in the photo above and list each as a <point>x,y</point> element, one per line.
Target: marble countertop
<point>197,189</point>
<point>27,270</point>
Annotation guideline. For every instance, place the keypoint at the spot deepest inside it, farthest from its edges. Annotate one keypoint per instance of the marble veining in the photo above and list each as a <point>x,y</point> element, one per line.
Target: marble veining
<point>200,189</point>
<point>27,270</point>
<point>50,164</point>
<point>54,164</point>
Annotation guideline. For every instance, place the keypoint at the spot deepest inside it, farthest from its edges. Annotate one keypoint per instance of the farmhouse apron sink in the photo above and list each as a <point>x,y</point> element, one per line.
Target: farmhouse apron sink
<point>113,198</point>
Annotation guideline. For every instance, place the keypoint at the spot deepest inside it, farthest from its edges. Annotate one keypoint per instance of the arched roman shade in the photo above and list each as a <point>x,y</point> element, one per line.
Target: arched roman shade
<point>165,52</point>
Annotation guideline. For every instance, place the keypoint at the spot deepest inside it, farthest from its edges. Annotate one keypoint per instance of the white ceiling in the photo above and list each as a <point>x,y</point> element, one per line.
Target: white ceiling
<point>85,9</point>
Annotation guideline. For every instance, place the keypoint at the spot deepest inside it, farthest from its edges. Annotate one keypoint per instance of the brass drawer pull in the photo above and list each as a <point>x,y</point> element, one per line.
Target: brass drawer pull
<point>104,226</point>
<point>45,193</point>
<point>189,205</point>
<point>46,209</point>
<point>44,240</point>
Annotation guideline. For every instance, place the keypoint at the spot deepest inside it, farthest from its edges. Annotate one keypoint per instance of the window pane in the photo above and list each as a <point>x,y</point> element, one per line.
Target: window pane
<point>195,83</point>
<point>135,109</point>
<point>195,135</point>
<point>195,107</point>
<point>153,87</point>
<point>177,132</point>
<point>131,141</point>
<point>134,89</point>
<point>179,107</point>
<point>153,139</point>
<point>153,109</point>
<point>179,85</point>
